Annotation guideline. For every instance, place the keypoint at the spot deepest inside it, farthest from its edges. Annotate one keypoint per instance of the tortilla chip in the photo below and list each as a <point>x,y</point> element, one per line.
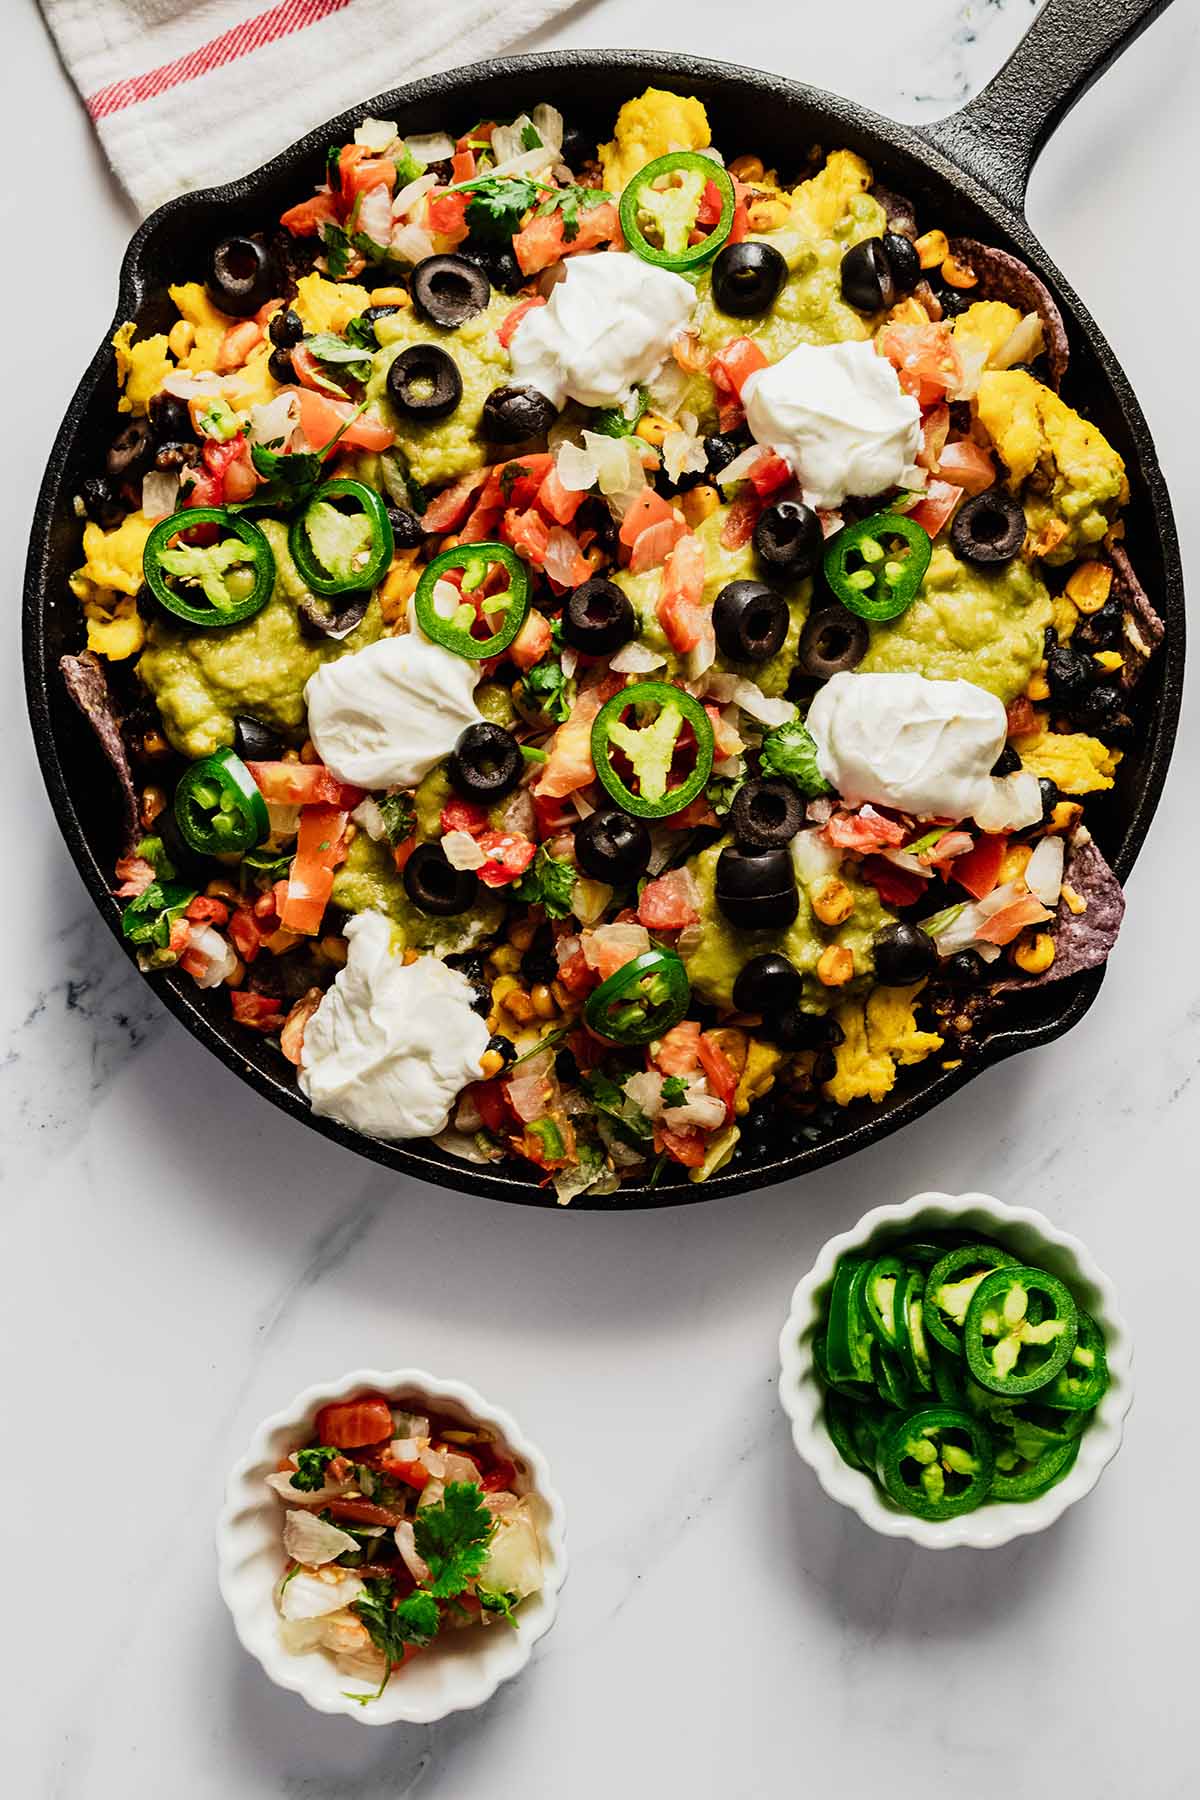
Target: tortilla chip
<point>1082,940</point>
<point>1144,630</point>
<point>87,684</point>
<point>1005,277</point>
<point>900,211</point>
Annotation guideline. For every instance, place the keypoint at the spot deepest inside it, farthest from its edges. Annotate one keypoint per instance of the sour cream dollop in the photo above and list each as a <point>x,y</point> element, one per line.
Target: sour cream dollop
<point>837,414</point>
<point>391,1045</point>
<point>385,715</point>
<point>607,326</point>
<point>921,746</point>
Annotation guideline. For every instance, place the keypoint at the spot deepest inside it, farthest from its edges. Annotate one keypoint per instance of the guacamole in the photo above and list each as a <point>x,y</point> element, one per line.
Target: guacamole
<point>968,624</point>
<point>444,449</point>
<point>369,880</point>
<point>200,679</point>
<point>720,567</point>
<point>713,966</point>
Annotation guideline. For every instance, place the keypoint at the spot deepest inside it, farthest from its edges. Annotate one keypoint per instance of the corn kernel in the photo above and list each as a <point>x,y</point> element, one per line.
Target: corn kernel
<point>958,275</point>
<point>561,995</point>
<point>833,902</point>
<point>335,949</point>
<point>154,744</point>
<point>748,169</point>
<point>543,1001</point>
<point>596,557</point>
<point>493,1023</point>
<point>767,215</point>
<point>154,801</point>
<point>221,889</point>
<point>835,966</point>
<point>932,249</point>
<point>490,1063</point>
<point>398,585</point>
<point>1037,688</point>
<point>520,933</point>
<point>1015,861</point>
<point>1066,816</point>
<point>1074,903</point>
<point>1090,585</point>
<point>506,959</point>
<point>654,428</point>
<point>410,957</point>
<point>699,503</point>
<point>390,296</point>
<point>349,835</point>
<point>1109,660</point>
<point>237,974</point>
<point>1034,952</point>
<point>502,987</point>
<point>520,1006</point>
<point>908,312</point>
<point>309,752</point>
<point>181,338</point>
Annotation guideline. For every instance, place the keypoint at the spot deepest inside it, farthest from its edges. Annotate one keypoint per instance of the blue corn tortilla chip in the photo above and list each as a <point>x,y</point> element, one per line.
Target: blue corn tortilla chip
<point>87,684</point>
<point>1143,629</point>
<point>1004,277</point>
<point>1081,940</point>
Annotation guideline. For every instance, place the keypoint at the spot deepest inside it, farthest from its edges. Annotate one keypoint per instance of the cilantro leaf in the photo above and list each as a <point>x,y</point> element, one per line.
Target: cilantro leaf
<point>149,916</point>
<point>154,851</point>
<point>789,751</point>
<point>360,331</point>
<point>546,687</point>
<point>720,791</point>
<point>312,1464</point>
<point>674,1090</point>
<point>611,1099</point>
<point>262,861</point>
<point>290,479</point>
<point>399,817</point>
<point>510,474</point>
<point>453,1537</point>
<point>408,167</point>
<point>613,421</point>
<point>531,137</point>
<point>498,204</point>
<point>547,882</point>
<point>503,1605</point>
<point>336,244</point>
<point>328,348</point>
<point>392,1625</point>
<point>570,201</point>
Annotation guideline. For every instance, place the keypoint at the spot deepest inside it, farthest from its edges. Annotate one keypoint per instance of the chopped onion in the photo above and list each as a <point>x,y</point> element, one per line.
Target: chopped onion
<point>299,1636</point>
<point>562,553</point>
<point>375,216</point>
<point>434,1461</point>
<point>813,857</point>
<point>530,1088</point>
<point>763,707</point>
<point>958,927</point>
<point>219,956</point>
<point>631,938</point>
<point>275,421</point>
<point>467,1116</point>
<point>635,658</point>
<point>313,1541</point>
<point>376,134</point>
<point>669,386</point>
<point>576,468</point>
<point>582,805</point>
<point>430,146</point>
<point>281,1483</point>
<point>461,851</point>
<point>590,899</point>
<point>190,387</point>
<point>312,1596</point>
<point>368,818</point>
<point>408,196</point>
<point>517,813</point>
<point>411,243</point>
<point>459,1467</point>
<point>740,467</point>
<point>1011,803</point>
<point>619,467</point>
<point>1044,870</point>
<point>973,357</point>
<point>526,162</point>
<point>819,812</point>
<point>683,454</point>
<point>406,1544</point>
<point>1026,342</point>
<point>701,656</point>
<point>159,492</point>
<point>565,947</point>
<point>548,123</point>
<point>903,860</point>
<point>645,1090</point>
<point>569,661</point>
<point>701,1109</point>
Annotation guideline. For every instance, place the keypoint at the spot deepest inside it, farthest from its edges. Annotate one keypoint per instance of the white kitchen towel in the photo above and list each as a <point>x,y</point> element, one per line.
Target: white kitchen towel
<point>186,93</point>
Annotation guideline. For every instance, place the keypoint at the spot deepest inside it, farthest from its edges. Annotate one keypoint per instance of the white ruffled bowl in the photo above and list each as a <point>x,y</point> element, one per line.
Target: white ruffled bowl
<point>1039,1243</point>
<point>462,1670</point>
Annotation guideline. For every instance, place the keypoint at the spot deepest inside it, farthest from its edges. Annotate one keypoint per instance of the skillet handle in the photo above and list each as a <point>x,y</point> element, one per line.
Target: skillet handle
<point>999,135</point>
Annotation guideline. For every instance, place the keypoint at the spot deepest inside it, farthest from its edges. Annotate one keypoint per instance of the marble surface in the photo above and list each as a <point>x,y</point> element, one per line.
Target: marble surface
<point>180,1259</point>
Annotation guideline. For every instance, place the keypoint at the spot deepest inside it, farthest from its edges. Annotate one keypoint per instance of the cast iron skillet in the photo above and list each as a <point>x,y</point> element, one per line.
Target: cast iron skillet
<point>967,173</point>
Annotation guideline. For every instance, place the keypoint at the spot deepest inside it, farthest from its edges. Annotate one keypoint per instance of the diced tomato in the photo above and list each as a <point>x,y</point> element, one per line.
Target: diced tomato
<point>359,172</point>
<point>502,1475</point>
<point>719,1071</point>
<point>544,240</point>
<point>925,359</point>
<point>320,847</point>
<point>577,974</point>
<point>244,934</point>
<point>322,417</point>
<point>863,830</point>
<point>935,429</point>
<point>528,533</point>
<point>508,853</point>
<point>181,936</point>
<point>969,465</point>
<point>553,813</point>
<point>446,214</point>
<point>308,370</point>
<point>558,502</point>
<point>1011,920</point>
<point>569,764</point>
<point>533,640</point>
<point>412,1474</point>
<point>363,1512</point>
<point>769,474</point>
<point>679,1051</point>
<point>515,483</point>
<point>681,609</point>
<point>733,365</point>
<point>686,1147</point>
<point>462,165</point>
<point>348,1424</point>
<point>697,813</point>
<point>941,498</point>
<point>709,210</point>
<point>491,1102</point>
<point>482,524</point>
<point>895,887</point>
<point>739,524</point>
<point>258,1012</point>
<point>739,228</point>
<point>512,319</point>
<point>307,219</point>
<point>402,851</point>
<point>979,870</point>
<point>448,510</point>
<point>205,911</point>
<point>464,815</point>
<point>302,784</point>
<point>666,904</point>
<point>1022,719</point>
<point>648,509</point>
<point>655,544</point>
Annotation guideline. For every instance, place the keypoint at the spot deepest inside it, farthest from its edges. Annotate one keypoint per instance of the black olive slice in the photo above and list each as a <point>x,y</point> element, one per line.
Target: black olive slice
<point>833,641</point>
<point>254,741</point>
<point>486,762</point>
<point>788,538</point>
<point>241,275</point>
<point>613,847</point>
<point>132,450</point>
<point>408,533</point>
<point>423,382</point>
<point>750,620</point>
<point>903,261</point>
<point>867,280</point>
<point>286,328</point>
<point>435,886</point>
<point>747,278</point>
<point>514,414</point>
<point>767,984</point>
<point>756,889</point>
<point>903,953</point>
<point>989,528</point>
<point>449,290</point>
<point>766,814</point>
<point>319,617</point>
<point>598,618</point>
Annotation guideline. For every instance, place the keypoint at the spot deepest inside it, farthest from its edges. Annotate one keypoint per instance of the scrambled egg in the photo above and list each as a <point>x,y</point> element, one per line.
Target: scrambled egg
<point>758,1076</point>
<point>328,305</point>
<point>194,305</point>
<point>648,127</point>
<point>822,203</point>
<point>141,368</point>
<point>1077,478</point>
<point>988,323</point>
<point>1078,764</point>
<point>113,559</point>
<point>880,1034</point>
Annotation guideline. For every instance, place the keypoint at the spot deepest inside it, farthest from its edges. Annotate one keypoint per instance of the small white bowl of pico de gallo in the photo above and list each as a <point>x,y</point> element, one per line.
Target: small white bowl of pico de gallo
<point>391,1547</point>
